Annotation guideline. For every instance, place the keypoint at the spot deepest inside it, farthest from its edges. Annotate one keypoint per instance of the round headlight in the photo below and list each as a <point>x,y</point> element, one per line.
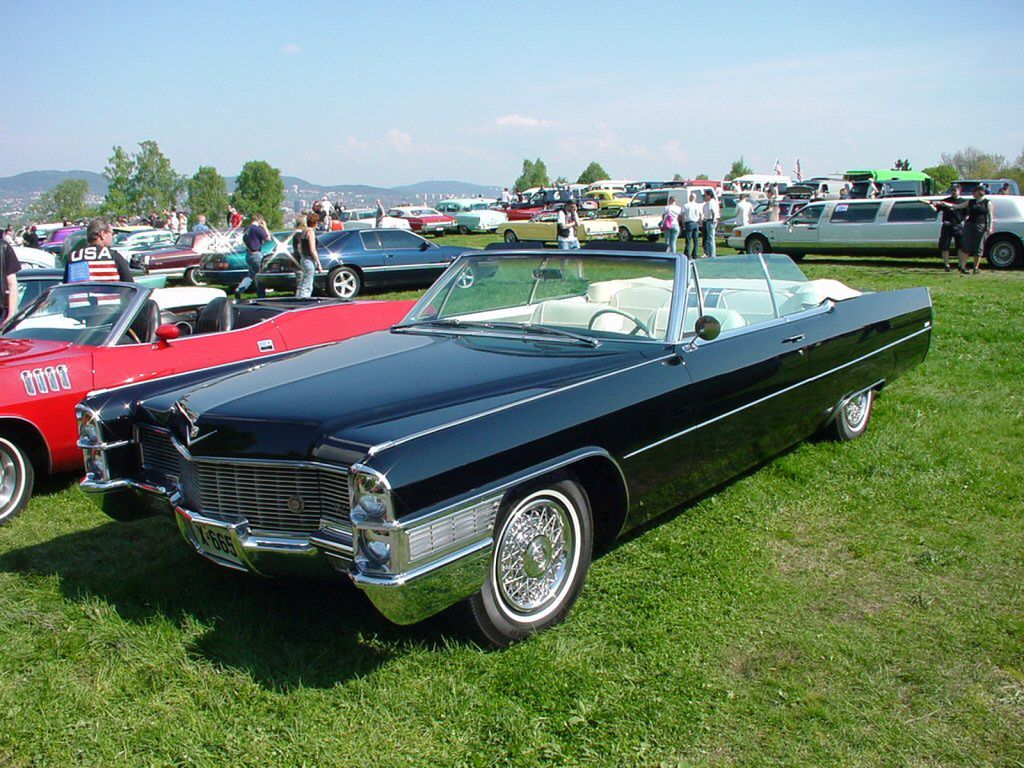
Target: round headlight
<point>378,551</point>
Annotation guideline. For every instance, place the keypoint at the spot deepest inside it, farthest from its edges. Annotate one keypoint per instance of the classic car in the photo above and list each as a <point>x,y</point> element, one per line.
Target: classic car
<point>607,198</point>
<point>140,240</point>
<point>652,202</point>
<point>892,226</point>
<point>368,258</point>
<point>632,227</point>
<point>426,221</point>
<point>543,228</point>
<point>786,207</point>
<point>55,242</point>
<point>229,267</point>
<point>32,282</point>
<point>473,214</point>
<point>182,259</point>
<point>366,218</point>
<point>531,405</point>
<point>75,338</point>
<point>34,258</point>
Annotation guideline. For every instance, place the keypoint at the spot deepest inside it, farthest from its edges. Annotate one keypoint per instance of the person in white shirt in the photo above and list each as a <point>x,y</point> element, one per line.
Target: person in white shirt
<point>567,226</point>
<point>709,220</point>
<point>691,225</point>
<point>506,198</point>
<point>744,210</point>
<point>670,224</point>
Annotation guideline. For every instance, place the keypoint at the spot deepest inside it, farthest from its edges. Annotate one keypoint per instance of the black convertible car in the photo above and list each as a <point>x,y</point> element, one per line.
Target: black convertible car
<point>531,404</point>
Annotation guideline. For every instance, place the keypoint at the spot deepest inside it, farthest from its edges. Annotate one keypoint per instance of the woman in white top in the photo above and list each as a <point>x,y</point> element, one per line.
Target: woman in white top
<point>670,224</point>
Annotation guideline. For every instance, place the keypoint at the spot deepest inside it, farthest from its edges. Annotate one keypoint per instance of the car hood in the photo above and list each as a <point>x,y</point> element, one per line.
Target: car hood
<point>339,400</point>
<point>22,351</point>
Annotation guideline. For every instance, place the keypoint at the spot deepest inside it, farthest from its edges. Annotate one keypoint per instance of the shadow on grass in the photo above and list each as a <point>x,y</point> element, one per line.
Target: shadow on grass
<point>283,633</point>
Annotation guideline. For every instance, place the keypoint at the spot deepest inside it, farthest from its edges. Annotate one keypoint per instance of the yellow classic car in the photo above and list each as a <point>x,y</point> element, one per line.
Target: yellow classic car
<point>606,198</point>
<point>542,227</point>
<point>630,227</point>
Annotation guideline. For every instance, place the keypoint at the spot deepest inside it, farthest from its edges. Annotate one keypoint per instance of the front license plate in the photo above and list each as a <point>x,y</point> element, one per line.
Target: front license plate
<point>214,542</point>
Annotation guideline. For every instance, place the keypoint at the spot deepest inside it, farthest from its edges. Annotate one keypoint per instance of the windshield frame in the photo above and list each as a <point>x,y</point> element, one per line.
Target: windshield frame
<point>117,330</point>
<point>445,283</point>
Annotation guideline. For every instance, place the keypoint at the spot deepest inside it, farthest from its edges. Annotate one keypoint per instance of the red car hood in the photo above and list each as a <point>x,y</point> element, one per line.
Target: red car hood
<point>18,351</point>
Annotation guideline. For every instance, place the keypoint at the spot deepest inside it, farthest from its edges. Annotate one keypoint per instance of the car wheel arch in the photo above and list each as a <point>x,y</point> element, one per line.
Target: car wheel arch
<point>30,438</point>
<point>1000,237</point>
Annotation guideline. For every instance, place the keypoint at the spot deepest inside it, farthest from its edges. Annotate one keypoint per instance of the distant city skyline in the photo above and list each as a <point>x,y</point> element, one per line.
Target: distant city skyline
<point>392,93</point>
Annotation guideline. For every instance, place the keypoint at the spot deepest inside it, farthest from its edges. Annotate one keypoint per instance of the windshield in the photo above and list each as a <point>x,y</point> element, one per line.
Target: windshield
<point>85,313</point>
<point>593,297</point>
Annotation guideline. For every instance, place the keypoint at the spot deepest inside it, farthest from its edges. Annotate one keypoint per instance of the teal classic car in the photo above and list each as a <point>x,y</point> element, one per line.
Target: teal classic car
<point>473,214</point>
<point>228,269</point>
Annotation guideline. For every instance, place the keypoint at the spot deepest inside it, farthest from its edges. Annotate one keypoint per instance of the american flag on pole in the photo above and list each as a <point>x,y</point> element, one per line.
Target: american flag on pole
<point>796,170</point>
<point>777,167</point>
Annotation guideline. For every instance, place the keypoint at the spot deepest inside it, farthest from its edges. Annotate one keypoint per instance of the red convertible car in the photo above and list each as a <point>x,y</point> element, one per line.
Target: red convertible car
<point>74,339</point>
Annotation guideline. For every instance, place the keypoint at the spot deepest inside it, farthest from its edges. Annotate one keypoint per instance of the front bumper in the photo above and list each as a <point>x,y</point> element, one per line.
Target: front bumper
<point>430,584</point>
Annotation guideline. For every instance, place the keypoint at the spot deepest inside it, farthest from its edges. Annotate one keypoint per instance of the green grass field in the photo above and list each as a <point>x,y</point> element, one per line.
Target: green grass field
<point>844,605</point>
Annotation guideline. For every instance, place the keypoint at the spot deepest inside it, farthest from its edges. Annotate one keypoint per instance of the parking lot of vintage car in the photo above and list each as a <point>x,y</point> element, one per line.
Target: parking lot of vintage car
<point>542,227</point>
<point>73,339</point>
<point>556,397</point>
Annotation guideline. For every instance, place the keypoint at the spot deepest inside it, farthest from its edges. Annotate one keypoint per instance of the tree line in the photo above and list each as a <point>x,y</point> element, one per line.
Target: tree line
<point>145,182</point>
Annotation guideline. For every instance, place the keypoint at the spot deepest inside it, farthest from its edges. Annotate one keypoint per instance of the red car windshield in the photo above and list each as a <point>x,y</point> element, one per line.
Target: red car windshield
<point>84,313</point>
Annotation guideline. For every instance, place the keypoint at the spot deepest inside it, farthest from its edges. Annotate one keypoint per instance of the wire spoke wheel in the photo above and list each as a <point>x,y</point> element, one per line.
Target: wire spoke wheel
<point>532,561</point>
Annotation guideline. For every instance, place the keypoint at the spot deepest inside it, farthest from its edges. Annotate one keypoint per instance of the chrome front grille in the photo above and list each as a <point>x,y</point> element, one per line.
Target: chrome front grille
<point>275,497</point>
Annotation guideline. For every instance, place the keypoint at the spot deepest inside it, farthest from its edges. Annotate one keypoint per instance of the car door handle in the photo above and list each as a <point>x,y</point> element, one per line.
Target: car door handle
<point>793,339</point>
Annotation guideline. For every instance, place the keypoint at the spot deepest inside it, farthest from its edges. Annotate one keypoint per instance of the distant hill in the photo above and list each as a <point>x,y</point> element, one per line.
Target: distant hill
<point>33,182</point>
<point>30,182</point>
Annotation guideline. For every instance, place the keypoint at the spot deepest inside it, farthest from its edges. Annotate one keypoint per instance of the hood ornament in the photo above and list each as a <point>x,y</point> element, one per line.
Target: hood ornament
<point>192,428</point>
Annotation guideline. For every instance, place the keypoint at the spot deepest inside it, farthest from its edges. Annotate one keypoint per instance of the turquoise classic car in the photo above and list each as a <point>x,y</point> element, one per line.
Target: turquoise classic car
<point>473,214</point>
<point>229,268</point>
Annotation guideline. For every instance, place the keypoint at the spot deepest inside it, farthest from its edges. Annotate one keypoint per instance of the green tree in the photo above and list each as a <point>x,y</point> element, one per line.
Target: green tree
<point>738,168</point>
<point>972,163</point>
<point>593,172</point>
<point>207,195</point>
<point>701,177</point>
<point>535,174</point>
<point>561,180</point>
<point>943,175</point>
<point>259,189</point>
<point>678,177</point>
<point>154,185</point>
<point>64,201</point>
<point>118,173</point>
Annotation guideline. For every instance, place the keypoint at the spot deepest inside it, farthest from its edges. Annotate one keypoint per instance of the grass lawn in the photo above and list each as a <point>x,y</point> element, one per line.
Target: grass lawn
<point>849,605</point>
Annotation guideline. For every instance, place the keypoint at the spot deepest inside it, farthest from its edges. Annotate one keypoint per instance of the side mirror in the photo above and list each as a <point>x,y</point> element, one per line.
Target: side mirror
<point>166,332</point>
<point>424,245</point>
<point>707,327</point>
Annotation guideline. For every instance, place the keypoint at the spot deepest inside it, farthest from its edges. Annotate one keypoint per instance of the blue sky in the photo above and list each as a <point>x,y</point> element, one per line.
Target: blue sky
<point>397,92</point>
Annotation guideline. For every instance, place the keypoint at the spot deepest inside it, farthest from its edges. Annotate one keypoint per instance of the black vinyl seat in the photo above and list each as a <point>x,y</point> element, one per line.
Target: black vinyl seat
<point>144,326</point>
<point>215,317</point>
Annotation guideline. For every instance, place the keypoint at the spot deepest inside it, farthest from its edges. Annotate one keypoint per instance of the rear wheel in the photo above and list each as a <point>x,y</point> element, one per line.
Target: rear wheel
<point>1002,252</point>
<point>625,235</point>
<point>16,479</point>
<point>463,229</point>
<point>192,277</point>
<point>543,538</point>
<point>852,419</point>
<point>344,282</point>
<point>757,244</point>
<point>510,236</point>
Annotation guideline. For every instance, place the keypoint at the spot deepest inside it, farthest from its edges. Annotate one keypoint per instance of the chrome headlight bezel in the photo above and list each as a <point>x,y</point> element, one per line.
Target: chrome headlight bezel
<point>370,495</point>
<point>90,428</point>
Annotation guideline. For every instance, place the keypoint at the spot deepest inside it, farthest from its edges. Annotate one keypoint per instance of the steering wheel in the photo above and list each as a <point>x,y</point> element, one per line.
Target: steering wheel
<point>640,324</point>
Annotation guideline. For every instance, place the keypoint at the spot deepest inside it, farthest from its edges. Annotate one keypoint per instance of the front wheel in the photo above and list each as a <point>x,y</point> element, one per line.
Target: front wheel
<point>852,419</point>
<point>16,480</point>
<point>543,537</point>
<point>757,244</point>
<point>463,229</point>
<point>1002,252</point>
<point>344,282</point>
<point>625,235</point>
<point>510,236</point>
<point>192,277</point>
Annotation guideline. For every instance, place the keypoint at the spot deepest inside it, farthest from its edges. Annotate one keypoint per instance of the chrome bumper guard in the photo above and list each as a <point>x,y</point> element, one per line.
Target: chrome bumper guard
<point>433,582</point>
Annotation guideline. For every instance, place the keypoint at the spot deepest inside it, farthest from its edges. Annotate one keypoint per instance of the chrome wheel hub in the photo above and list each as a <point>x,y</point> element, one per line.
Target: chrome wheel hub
<point>8,480</point>
<point>533,555</point>
<point>345,283</point>
<point>856,410</point>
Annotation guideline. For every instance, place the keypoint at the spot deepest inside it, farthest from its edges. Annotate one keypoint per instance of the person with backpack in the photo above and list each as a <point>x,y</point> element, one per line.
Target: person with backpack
<point>670,224</point>
<point>9,266</point>
<point>253,239</point>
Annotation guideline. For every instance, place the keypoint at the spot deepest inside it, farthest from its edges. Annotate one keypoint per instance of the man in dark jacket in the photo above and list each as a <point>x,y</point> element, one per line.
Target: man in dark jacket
<point>9,267</point>
<point>254,238</point>
<point>30,238</point>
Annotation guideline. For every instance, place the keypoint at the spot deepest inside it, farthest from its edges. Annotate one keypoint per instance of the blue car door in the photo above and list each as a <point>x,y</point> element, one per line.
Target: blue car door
<point>408,258</point>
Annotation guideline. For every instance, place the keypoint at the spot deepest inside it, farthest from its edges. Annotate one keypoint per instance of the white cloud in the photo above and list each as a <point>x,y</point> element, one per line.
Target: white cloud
<point>673,150</point>
<point>522,121</point>
<point>291,49</point>
<point>400,141</point>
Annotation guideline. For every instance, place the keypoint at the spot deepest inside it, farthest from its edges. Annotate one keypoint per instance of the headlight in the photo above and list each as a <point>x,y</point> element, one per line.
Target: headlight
<point>370,494</point>
<point>88,426</point>
<point>96,468</point>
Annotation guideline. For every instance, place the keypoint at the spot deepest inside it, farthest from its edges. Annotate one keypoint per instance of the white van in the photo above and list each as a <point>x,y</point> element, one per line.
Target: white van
<point>759,182</point>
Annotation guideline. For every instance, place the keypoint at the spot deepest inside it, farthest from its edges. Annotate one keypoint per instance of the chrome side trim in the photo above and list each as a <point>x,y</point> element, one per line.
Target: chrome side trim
<point>375,449</point>
<point>776,394</point>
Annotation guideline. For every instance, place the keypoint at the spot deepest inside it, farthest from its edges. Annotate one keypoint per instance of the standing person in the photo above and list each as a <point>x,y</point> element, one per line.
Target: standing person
<point>979,223</point>
<point>951,235</point>
<point>378,219</point>
<point>873,191</point>
<point>709,220</point>
<point>254,238</point>
<point>183,221</point>
<point>691,225</point>
<point>744,210</point>
<point>567,228</point>
<point>9,267</point>
<point>844,193</point>
<point>31,237</point>
<point>773,204</point>
<point>234,218</point>
<point>670,224</point>
<point>172,222</point>
<point>317,211</point>
<point>506,198</point>
<point>97,261</point>
<point>201,225</point>
<point>1005,189</point>
<point>304,248</point>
